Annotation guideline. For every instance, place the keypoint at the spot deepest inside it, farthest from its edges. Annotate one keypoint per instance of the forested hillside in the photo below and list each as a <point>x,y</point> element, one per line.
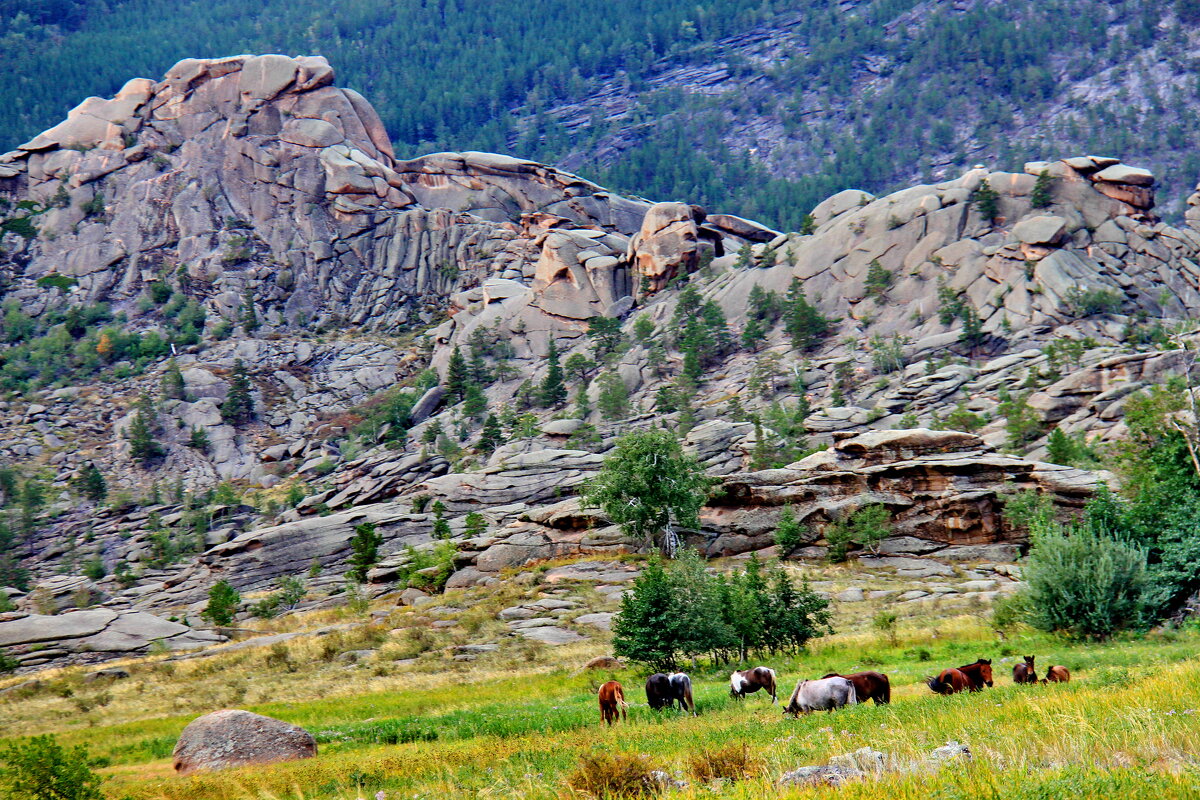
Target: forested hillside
<point>761,110</point>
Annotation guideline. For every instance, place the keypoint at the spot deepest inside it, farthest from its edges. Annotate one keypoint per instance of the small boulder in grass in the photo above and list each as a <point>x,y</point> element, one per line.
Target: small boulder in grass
<point>235,738</point>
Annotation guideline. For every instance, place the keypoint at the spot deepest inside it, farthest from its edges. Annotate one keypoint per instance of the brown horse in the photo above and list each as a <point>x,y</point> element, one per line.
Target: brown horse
<point>969,677</point>
<point>1024,673</point>
<point>748,681</point>
<point>612,702</point>
<point>869,686</point>
<point>1057,674</point>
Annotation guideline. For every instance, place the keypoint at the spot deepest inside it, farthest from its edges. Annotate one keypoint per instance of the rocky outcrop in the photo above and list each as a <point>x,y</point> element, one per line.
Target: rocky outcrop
<point>84,637</point>
<point>943,488</point>
<point>235,738</point>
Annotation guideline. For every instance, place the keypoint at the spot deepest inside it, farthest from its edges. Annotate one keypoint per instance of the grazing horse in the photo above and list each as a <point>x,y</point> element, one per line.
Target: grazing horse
<point>1057,674</point>
<point>1024,673</point>
<point>658,691</point>
<point>612,702</point>
<point>681,689</point>
<point>869,686</point>
<point>748,681</point>
<point>970,677</point>
<point>664,691</point>
<point>825,694</point>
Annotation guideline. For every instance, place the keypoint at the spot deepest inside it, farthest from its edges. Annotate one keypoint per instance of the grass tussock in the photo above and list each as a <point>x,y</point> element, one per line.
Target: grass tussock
<point>733,762</point>
<point>604,775</point>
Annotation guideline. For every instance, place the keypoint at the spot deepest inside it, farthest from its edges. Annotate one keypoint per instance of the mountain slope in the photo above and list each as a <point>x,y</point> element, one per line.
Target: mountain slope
<point>763,112</point>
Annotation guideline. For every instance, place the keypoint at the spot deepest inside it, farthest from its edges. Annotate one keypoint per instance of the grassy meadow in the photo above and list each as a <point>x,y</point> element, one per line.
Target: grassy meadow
<point>408,721</point>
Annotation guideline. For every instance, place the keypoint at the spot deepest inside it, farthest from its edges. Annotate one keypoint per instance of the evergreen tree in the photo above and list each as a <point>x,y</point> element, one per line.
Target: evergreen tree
<point>788,533</point>
<point>173,386</point>
<point>579,365</point>
<point>142,445</point>
<point>553,391</point>
<point>492,436</point>
<point>987,201</point>
<point>198,440</point>
<point>613,398</point>
<point>1041,196</point>
<point>249,315</point>
<point>803,322</point>
<point>365,546</point>
<point>239,403</point>
<point>475,524</point>
<point>797,615</point>
<point>432,431</point>
<point>606,336</point>
<point>91,483</point>
<point>647,628</point>
<point>477,368</point>
<point>475,402</point>
<point>458,376</point>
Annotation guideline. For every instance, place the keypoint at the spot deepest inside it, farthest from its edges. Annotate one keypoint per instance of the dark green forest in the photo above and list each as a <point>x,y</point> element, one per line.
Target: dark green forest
<point>872,96</point>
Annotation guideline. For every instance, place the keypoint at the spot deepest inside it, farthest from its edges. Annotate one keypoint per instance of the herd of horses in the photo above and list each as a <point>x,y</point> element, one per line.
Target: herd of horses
<point>831,691</point>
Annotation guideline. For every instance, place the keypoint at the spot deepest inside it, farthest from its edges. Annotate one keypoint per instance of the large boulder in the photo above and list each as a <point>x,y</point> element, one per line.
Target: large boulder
<point>235,738</point>
<point>666,246</point>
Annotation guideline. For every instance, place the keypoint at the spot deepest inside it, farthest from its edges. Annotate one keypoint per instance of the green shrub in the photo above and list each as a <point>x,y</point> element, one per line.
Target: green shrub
<point>789,534</point>
<point>365,546</point>
<point>223,602</point>
<point>1084,302</point>
<point>41,769</point>
<point>866,527</point>
<point>1084,583</point>
<point>613,774</point>
<point>56,281</point>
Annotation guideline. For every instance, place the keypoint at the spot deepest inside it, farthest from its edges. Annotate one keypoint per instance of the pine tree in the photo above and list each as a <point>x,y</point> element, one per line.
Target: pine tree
<point>492,436</point>
<point>474,402</point>
<point>365,546</point>
<point>803,322</point>
<point>987,201</point>
<point>647,628</point>
<point>173,385</point>
<point>142,445</point>
<point>613,398</point>
<point>788,532</point>
<point>432,432</point>
<point>91,483</point>
<point>239,404</point>
<point>579,365</point>
<point>475,524</point>
<point>249,315</point>
<point>457,376</point>
<point>1041,196</point>
<point>198,440</point>
<point>553,391</point>
<point>606,336</point>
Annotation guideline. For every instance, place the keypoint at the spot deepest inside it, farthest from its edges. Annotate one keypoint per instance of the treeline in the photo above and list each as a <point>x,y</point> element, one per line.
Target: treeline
<point>683,611</point>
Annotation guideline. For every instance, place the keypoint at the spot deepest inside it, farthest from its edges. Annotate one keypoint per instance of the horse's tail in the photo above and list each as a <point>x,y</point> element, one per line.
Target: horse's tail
<point>936,685</point>
<point>772,686</point>
<point>852,697</point>
<point>886,693</point>
<point>620,697</point>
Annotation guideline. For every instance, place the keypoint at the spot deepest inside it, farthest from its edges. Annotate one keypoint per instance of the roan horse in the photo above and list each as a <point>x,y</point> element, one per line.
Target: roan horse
<point>612,702</point>
<point>1057,674</point>
<point>825,694</point>
<point>1024,673</point>
<point>969,677</point>
<point>869,686</point>
<point>748,681</point>
<point>663,691</point>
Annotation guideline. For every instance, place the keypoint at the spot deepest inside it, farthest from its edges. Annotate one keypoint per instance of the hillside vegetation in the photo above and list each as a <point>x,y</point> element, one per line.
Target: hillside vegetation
<point>762,110</point>
<point>518,723</point>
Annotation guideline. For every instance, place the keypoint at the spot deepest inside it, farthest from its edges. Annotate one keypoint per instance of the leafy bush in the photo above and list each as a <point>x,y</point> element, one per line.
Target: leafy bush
<point>429,568</point>
<point>789,534</point>
<point>57,281</point>
<point>866,527</point>
<point>1084,583</point>
<point>223,602</point>
<point>365,546</point>
<point>41,769</point>
<point>1084,302</point>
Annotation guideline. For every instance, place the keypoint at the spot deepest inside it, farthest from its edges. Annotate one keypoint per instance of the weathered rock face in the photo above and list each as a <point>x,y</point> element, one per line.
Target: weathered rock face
<point>256,174</point>
<point>235,738</point>
<point>92,636</point>
<point>941,487</point>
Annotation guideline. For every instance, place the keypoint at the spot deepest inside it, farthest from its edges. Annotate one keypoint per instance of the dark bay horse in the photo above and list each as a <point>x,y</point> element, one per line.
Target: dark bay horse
<point>612,702</point>
<point>664,691</point>
<point>1024,673</point>
<point>969,677</point>
<point>748,681</point>
<point>869,686</point>
<point>1057,674</point>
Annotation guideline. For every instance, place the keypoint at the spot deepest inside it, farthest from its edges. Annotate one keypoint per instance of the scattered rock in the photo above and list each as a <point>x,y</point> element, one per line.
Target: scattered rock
<point>235,738</point>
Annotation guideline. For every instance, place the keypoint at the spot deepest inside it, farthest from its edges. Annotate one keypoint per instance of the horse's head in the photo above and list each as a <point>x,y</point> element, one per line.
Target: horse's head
<point>1029,661</point>
<point>985,670</point>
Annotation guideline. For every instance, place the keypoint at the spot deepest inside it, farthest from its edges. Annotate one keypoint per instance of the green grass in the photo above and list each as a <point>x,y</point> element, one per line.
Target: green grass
<point>1128,724</point>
